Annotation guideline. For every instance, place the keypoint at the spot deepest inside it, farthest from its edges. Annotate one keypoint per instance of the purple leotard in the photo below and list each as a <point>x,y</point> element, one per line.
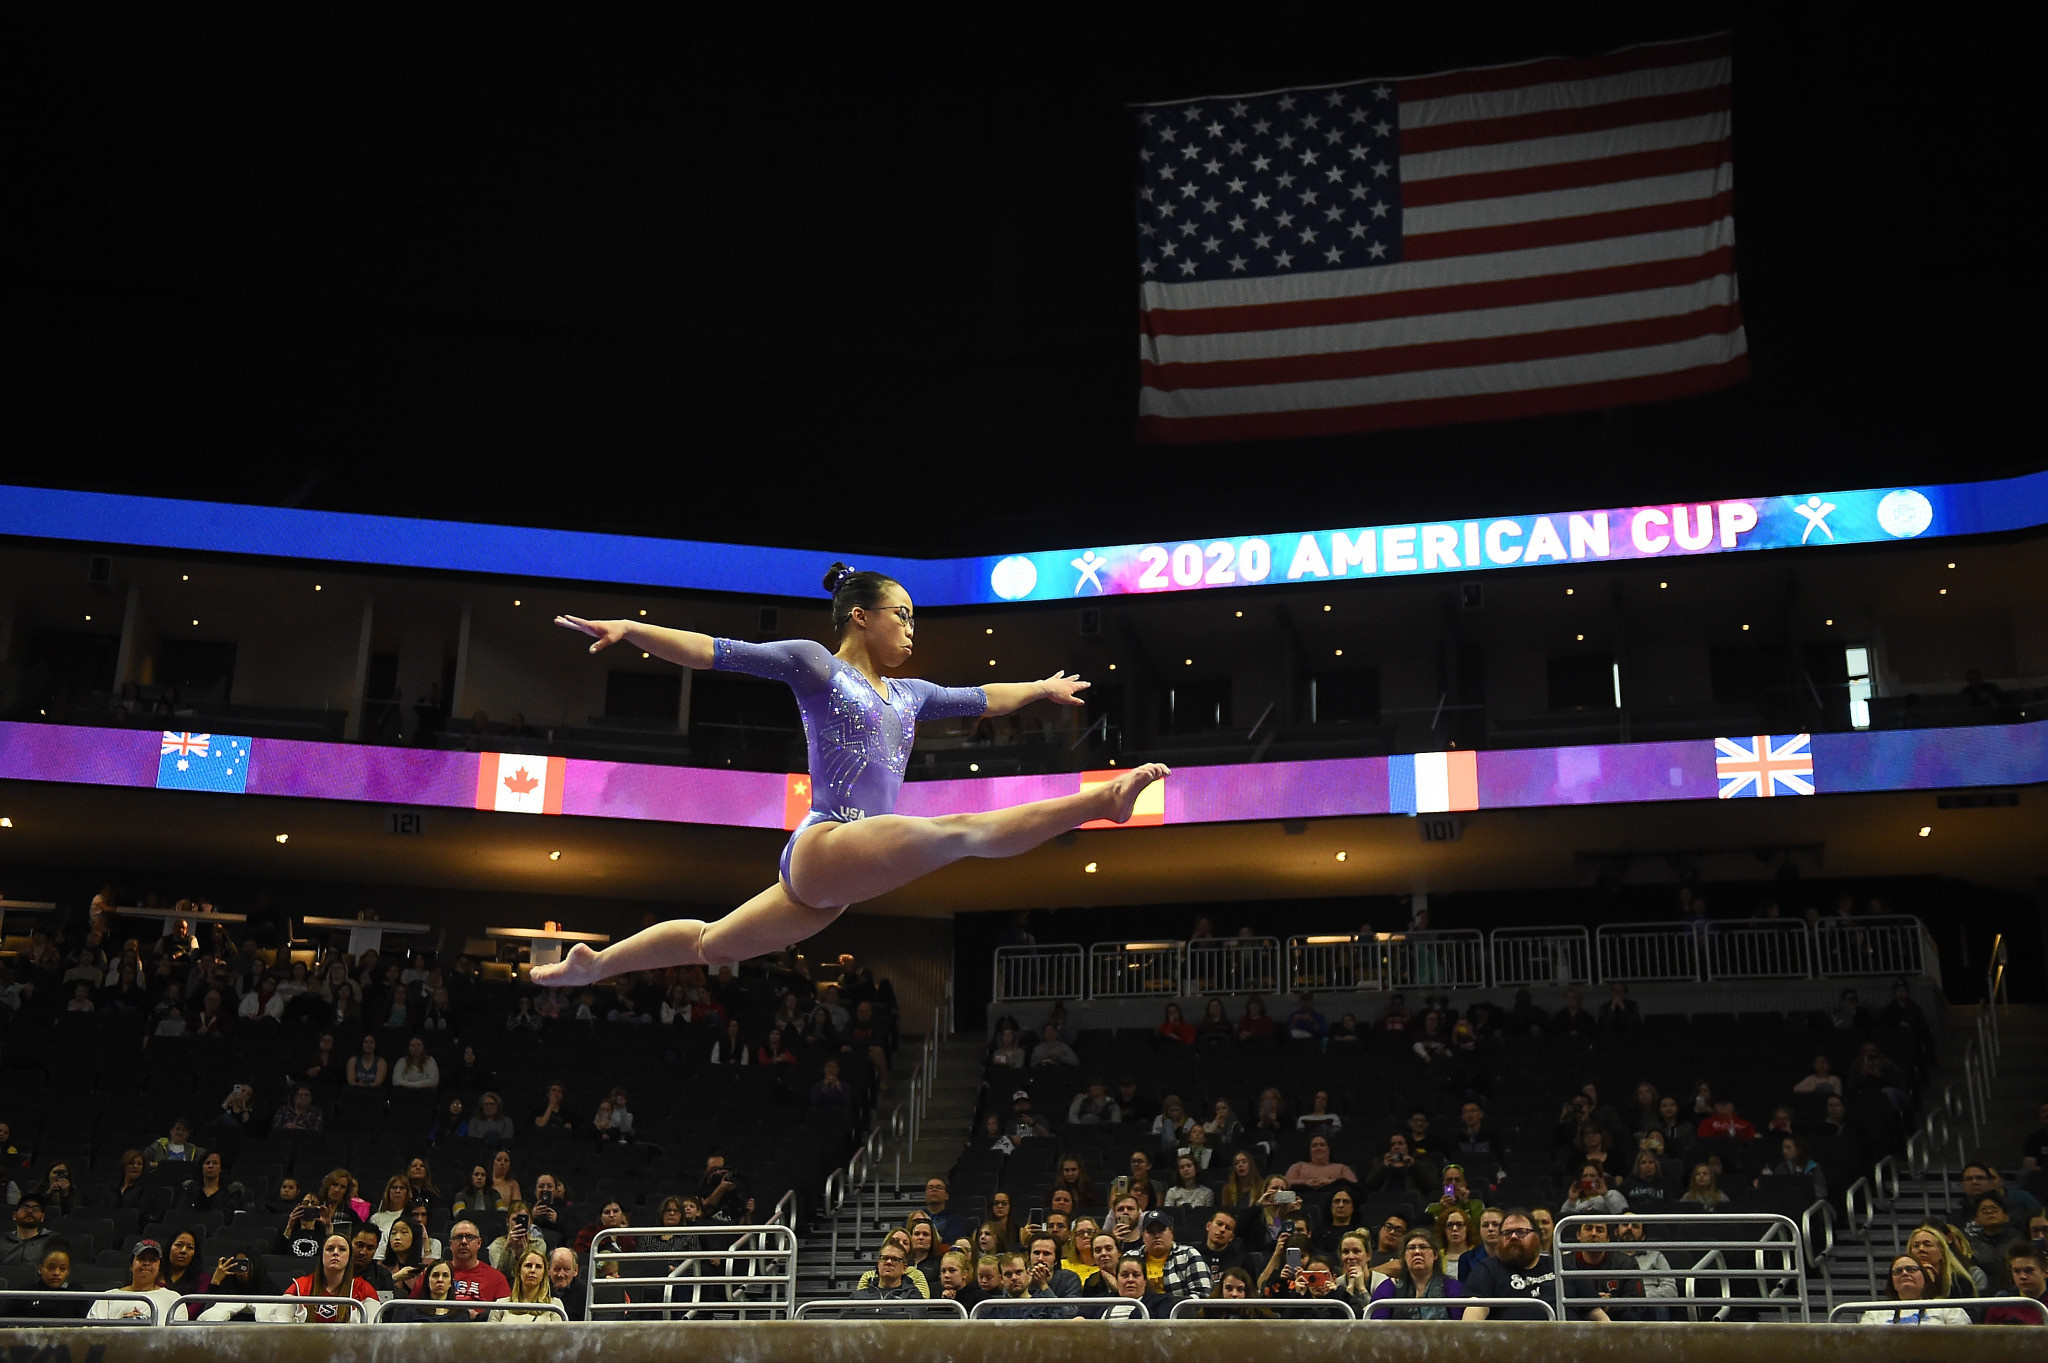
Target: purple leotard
<point>859,739</point>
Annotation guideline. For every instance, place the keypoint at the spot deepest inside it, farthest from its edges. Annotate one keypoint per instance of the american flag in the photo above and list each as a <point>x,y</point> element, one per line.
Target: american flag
<point>186,745</point>
<point>1510,241</point>
<point>1766,764</point>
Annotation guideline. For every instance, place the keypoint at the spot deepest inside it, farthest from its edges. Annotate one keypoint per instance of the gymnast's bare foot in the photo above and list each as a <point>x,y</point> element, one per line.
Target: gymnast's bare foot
<point>1123,792</point>
<point>580,966</point>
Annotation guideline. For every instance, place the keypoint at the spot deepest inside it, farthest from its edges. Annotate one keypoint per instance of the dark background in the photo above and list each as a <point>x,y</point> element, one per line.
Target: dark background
<point>868,284</point>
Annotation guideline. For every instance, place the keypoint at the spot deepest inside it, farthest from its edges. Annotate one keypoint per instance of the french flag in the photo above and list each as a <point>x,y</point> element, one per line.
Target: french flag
<point>1433,782</point>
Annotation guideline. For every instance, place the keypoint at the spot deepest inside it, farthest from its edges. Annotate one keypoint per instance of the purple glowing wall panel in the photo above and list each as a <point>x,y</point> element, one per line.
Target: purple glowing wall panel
<point>341,771</point>
<point>1928,759</point>
<point>708,795</point>
<point>927,798</point>
<point>1598,774</point>
<point>92,757</point>
<point>1277,790</point>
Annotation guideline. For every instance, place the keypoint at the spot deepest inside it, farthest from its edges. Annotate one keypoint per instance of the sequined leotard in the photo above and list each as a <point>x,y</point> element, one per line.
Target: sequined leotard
<point>859,738</point>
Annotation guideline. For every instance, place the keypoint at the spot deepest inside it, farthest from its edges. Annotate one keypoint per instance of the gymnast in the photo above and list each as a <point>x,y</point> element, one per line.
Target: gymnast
<point>859,725</point>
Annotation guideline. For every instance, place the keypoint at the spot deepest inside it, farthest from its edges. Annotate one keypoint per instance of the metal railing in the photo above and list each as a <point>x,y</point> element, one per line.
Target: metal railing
<point>1455,959</point>
<point>1058,1308</point>
<point>359,1312</point>
<point>1124,970</point>
<point>1971,1304</point>
<point>1648,953</point>
<point>1524,957</point>
<point>737,1267</point>
<point>1339,961</point>
<point>1493,1304</point>
<point>1507,958</point>
<point>870,1308</point>
<point>1232,965</point>
<point>1885,944</point>
<point>1781,1285</point>
<point>148,1305</point>
<point>380,1309</point>
<point>1027,973</point>
<point>1198,1308</point>
<point>1759,949</point>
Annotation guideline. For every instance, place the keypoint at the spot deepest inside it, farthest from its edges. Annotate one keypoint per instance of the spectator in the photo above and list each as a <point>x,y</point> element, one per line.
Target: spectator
<point>1255,1024</point>
<point>1630,1231</point>
<point>333,1278</point>
<point>1704,1188</point>
<point>1725,1124</point>
<point>490,1122</point>
<point>1573,1020</point>
<point>28,1241</point>
<point>1873,1070</point>
<point>1175,1028</point>
<point>1222,1128</point>
<point>53,1277</point>
<point>59,1195</point>
<point>144,1265</point>
<point>1305,1023</point>
<point>1795,1162</point>
<point>955,1278</point>
<point>1945,1275</point>
<point>830,1090</point>
<point>1673,1127</point>
<point>1319,1118</point>
<point>175,1147</point>
<point>1170,1127</point>
<point>473,1280</point>
<point>722,1192</point>
<point>529,1285</point>
<point>1456,1196</point>
<point>1173,1271</point>
<point>1461,1248</point>
<point>926,1251</point>
<point>1317,1171</point>
<point>367,1069</point>
<point>1980,1179</point>
<point>951,1225</point>
<point>306,1227</point>
<point>1105,1253</point>
<point>1023,1124</point>
<point>337,1191</point>
<point>1909,1283</point>
<point>1594,1257</point>
<point>1134,1105</point>
<point>1422,1143</point>
<point>1903,1014</point>
<point>1005,1052</point>
<point>363,1263</point>
<point>1246,1183</point>
<point>1050,1050</point>
<point>1215,1027</point>
<point>551,1113</point>
<point>1823,1080</point>
<point>1396,1168</point>
<point>1591,1196</point>
<point>1518,1269</point>
<point>565,1281</point>
<point>417,1069</point>
<point>404,1253</point>
<point>1473,1136</point>
<point>1619,1014</point>
<point>1340,1219</point>
<point>1094,1107</point>
<point>209,1192</point>
<point>1188,1190</point>
<point>889,1282</point>
<point>1418,1279</point>
<point>1220,1245</point>
<point>1646,1187</point>
<point>1393,1231</point>
<point>301,1114</point>
<point>1045,1268</point>
<point>1991,1235</point>
<point>2023,1265</point>
<point>550,1211</point>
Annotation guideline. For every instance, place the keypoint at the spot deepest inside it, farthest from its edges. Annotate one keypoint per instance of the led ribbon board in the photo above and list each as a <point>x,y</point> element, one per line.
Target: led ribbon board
<point>1799,520</point>
<point>1747,766</point>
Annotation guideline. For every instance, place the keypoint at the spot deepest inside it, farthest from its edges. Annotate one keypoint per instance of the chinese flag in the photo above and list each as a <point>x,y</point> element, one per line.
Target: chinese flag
<point>1151,810</point>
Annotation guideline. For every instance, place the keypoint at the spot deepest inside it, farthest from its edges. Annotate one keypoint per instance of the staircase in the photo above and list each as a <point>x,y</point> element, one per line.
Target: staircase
<point>841,1242</point>
<point>2014,1092</point>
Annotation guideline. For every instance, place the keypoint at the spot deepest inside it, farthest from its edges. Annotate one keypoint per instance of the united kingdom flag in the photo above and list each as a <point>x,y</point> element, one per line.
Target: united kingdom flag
<point>1764,765</point>
<point>186,745</point>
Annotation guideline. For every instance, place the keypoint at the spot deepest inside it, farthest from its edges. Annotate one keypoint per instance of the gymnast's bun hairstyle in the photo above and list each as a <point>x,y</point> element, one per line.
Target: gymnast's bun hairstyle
<point>852,588</point>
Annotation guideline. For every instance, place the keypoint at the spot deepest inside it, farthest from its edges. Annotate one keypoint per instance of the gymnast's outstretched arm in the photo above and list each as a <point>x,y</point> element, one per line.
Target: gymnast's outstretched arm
<point>683,646</point>
<point>1007,697</point>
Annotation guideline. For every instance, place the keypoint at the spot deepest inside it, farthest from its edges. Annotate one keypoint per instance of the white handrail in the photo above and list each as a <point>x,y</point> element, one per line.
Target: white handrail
<point>1960,1303</point>
<point>379,1309</point>
<point>867,1306</point>
<point>360,1312</point>
<point>1193,1307</point>
<point>1027,1309</point>
<point>111,1294</point>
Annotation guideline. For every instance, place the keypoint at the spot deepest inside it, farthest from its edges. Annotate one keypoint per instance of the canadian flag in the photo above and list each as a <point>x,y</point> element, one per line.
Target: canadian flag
<point>520,783</point>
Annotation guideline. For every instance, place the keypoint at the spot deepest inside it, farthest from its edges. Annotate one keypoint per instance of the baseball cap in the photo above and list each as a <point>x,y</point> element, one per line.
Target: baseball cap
<point>1020,1093</point>
<point>1156,1221</point>
<point>30,1196</point>
<point>143,1247</point>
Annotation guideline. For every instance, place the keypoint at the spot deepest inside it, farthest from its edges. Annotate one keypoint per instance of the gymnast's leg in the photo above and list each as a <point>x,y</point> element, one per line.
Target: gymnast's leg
<point>851,862</point>
<point>770,921</point>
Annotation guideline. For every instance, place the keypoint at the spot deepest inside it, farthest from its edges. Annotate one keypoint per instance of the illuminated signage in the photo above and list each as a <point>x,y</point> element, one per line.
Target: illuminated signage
<point>1743,766</point>
<point>1800,520</point>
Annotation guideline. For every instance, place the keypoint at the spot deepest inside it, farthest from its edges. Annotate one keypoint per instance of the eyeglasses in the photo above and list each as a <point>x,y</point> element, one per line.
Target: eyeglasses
<point>892,1258</point>
<point>465,1237</point>
<point>903,613</point>
<point>1518,1233</point>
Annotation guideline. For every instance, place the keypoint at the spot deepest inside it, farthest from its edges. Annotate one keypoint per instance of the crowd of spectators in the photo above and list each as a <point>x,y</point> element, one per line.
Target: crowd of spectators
<point>197,1114</point>
<point>1400,1161</point>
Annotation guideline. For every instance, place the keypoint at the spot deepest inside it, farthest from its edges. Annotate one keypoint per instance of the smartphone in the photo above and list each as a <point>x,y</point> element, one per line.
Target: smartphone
<point>1450,1191</point>
<point>1036,1217</point>
<point>1294,1257</point>
<point>544,1199</point>
<point>1286,1199</point>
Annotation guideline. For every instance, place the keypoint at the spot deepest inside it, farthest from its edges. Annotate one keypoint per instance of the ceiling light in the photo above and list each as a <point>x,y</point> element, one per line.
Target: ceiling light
<point>990,630</point>
<point>1089,868</point>
<point>1944,591</point>
<point>284,837</point>
<point>187,577</point>
<point>1662,585</point>
<point>1829,622</point>
<point>1340,652</point>
<point>1343,856</point>
<point>643,612</point>
<point>1567,591</point>
<point>1240,615</point>
<point>6,823</point>
<point>517,602</point>
<point>195,623</point>
<point>644,655</point>
<point>1326,608</point>
<point>974,766</point>
<point>88,617</point>
<point>316,586</point>
<point>1951,565</point>
<point>1112,667</point>
<point>554,856</point>
<point>991,662</point>
<point>1925,831</point>
<point>1188,661</point>
<point>1745,626</point>
<point>1582,638</point>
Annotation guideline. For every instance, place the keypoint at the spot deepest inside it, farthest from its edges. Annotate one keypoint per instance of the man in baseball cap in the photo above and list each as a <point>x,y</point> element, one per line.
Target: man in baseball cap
<point>1173,1271</point>
<point>1023,1123</point>
<point>28,1241</point>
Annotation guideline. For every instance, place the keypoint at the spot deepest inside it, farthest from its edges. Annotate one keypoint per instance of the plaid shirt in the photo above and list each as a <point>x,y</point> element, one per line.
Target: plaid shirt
<point>1186,1273</point>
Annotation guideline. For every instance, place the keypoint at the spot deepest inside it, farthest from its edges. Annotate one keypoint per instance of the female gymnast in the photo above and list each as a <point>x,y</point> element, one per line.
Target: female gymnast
<point>860,725</point>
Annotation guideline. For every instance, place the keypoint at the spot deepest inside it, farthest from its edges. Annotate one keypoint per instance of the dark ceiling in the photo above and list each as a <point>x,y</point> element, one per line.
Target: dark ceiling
<point>866,281</point>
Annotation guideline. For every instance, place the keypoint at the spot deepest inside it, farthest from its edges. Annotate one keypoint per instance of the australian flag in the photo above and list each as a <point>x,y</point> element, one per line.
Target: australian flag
<point>203,762</point>
<point>1764,764</point>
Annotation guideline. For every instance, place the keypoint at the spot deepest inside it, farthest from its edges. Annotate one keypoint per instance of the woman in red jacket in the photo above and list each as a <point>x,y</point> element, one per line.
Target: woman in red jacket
<point>334,1278</point>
